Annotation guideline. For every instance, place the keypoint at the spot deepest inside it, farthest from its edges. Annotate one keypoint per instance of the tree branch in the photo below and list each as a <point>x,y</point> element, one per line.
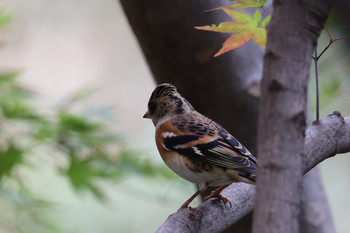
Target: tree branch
<point>329,137</point>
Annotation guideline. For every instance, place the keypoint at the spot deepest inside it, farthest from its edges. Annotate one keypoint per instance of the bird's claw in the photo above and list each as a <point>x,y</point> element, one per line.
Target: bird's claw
<point>219,196</point>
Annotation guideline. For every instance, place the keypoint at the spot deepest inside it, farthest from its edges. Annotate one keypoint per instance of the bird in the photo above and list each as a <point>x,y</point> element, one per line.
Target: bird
<point>195,147</point>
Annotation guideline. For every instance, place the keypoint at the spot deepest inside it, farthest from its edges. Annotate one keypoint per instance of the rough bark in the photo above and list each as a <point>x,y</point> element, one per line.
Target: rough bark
<point>333,132</point>
<point>333,137</point>
<point>283,113</point>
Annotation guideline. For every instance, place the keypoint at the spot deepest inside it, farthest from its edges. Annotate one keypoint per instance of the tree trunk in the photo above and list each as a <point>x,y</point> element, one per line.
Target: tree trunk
<point>283,113</point>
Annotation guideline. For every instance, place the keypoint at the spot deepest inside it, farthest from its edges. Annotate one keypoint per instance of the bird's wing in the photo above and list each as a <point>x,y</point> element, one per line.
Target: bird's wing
<point>218,148</point>
<point>236,144</point>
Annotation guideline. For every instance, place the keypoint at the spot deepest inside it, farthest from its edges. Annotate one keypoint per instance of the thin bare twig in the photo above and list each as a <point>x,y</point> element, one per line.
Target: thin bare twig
<point>324,50</point>
<point>316,58</point>
<point>317,87</point>
<point>331,40</point>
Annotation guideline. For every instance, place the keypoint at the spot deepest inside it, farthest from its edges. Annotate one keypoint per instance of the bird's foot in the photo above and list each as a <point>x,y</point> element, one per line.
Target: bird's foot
<point>216,193</point>
<point>220,197</point>
<point>185,205</point>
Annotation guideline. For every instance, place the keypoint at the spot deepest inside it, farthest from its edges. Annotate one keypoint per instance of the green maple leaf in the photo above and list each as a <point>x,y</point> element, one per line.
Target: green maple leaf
<point>245,28</point>
<point>82,175</point>
<point>5,17</point>
<point>243,4</point>
<point>9,159</point>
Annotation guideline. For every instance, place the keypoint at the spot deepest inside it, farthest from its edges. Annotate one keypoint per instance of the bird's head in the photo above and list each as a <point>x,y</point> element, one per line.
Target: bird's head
<point>166,103</point>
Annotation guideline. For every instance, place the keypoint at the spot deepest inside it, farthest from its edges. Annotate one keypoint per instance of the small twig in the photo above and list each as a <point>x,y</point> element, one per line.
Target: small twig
<point>331,40</point>
<point>329,34</point>
<point>317,86</point>
<point>341,38</point>
<point>324,50</point>
<point>316,58</point>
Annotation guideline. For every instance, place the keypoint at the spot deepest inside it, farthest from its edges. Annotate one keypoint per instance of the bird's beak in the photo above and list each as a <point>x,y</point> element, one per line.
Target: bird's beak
<point>147,115</point>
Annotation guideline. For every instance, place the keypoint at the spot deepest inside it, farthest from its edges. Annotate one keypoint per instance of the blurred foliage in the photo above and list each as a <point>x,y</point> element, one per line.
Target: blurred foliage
<point>82,146</point>
<point>5,17</point>
<point>91,153</point>
<point>23,212</point>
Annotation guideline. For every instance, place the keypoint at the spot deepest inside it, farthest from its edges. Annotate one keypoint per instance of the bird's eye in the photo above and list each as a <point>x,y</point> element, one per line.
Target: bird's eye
<point>152,108</point>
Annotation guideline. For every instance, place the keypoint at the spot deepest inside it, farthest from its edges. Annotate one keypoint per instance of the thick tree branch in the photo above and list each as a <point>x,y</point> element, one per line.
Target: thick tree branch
<point>329,137</point>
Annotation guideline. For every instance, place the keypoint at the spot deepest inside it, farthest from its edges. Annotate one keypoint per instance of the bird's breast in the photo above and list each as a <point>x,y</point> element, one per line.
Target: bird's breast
<point>196,171</point>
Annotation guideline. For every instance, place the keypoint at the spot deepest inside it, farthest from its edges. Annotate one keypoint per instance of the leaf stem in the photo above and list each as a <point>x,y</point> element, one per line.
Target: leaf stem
<point>268,12</point>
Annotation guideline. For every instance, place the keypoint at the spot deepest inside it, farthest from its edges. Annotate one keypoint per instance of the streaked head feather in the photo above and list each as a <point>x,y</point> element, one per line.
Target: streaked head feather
<point>166,103</point>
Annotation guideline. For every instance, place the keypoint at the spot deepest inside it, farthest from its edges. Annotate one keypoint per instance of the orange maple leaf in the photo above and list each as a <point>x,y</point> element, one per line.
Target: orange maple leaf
<point>245,28</point>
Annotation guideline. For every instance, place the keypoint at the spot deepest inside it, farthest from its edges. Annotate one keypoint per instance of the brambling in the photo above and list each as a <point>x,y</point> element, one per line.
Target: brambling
<point>195,147</point>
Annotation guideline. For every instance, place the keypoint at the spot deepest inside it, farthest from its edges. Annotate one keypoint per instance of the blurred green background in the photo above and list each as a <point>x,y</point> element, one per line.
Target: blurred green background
<point>75,153</point>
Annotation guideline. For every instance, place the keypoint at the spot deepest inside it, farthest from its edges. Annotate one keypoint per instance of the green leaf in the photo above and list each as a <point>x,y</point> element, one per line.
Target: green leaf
<point>240,17</point>
<point>10,90</point>
<point>77,123</point>
<point>259,37</point>
<point>8,77</point>
<point>257,17</point>
<point>82,175</point>
<point>225,27</point>
<point>244,4</point>
<point>5,17</point>
<point>97,140</point>
<point>265,21</point>
<point>9,158</point>
<point>44,130</point>
<point>17,109</point>
<point>262,2</point>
